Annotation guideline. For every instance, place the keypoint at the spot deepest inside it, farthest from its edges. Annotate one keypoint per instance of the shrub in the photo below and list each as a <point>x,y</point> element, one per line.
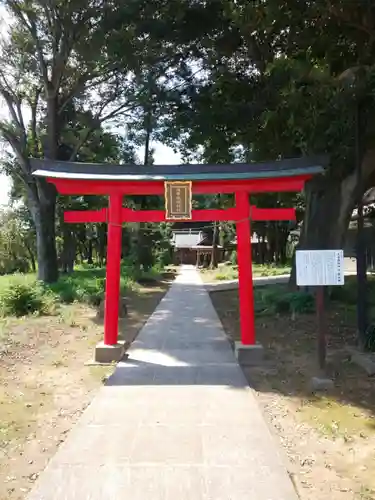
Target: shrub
<point>301,302</point>
<point>221,277</point>
<point>95,299</point>
<point>164,257</point>
<point>48,304</point>
<point>21,299</point>
<point>233,258</point>
<point>65,290</point>
<point>346,294</point>
<point>370,339</point>
<point>278,300</point>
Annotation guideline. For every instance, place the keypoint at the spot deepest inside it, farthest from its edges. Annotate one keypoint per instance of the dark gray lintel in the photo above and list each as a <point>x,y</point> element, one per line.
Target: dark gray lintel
<point>101,171</point>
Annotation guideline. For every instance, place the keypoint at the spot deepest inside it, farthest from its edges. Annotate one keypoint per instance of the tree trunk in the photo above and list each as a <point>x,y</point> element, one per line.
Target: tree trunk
<point>31,256</point>
<point>69,250</point>
<point>213,264</point>
<point>283,242</point>
<point>90,248</point>
<point>102,242</point>
<point>329,205</point>
<point>43,209</point>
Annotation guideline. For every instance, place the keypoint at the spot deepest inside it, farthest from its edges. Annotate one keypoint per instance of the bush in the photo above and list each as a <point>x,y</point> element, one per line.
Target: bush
<point>22,294</point>
<point>280,301</point>
<point>65,291</point>
<point>233,258</point>
<point>346,294</point>
<point>20,299</point>
<point>301,302</point>
<point>164,257</point>
<point>370,339</point>
<point>221,277</point>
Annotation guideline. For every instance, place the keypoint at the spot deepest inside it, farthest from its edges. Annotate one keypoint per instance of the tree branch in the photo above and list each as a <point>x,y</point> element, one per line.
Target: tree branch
<point>34,108</point>
<point>15,144</point>
<point>350,22</point>
<point>30,24</point>
<point>81,142</point>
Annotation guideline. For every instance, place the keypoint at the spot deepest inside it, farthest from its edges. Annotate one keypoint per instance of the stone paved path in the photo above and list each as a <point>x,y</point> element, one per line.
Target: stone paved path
<point>176,420</point>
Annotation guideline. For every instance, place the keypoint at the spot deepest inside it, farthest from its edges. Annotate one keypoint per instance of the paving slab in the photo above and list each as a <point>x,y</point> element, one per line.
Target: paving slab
<point>176,420</point>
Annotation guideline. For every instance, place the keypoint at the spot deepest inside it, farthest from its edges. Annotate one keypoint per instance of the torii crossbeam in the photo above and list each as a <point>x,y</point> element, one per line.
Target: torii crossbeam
<point>117,181</point>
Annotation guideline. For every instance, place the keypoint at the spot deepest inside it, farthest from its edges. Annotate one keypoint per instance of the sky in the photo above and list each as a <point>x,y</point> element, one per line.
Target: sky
<point>163,156</point>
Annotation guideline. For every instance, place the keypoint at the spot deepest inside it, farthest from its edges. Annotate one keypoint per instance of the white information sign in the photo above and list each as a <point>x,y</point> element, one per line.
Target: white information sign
<point>320,267</point>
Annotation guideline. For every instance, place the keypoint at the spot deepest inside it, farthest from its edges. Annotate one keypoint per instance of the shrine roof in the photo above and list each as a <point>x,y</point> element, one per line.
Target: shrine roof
<point>102,171</point>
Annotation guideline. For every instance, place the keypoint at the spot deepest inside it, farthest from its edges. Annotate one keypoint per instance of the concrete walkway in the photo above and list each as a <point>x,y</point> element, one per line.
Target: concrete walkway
<point>176,420</point>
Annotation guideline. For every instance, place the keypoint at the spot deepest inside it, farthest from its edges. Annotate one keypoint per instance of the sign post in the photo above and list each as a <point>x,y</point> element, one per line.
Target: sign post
<point>320,268</point>
<point>178,200</point>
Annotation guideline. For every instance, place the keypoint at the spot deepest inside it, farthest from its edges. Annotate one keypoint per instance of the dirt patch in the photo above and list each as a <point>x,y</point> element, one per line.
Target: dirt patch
<point>330,438</point>
<point>45,386</point>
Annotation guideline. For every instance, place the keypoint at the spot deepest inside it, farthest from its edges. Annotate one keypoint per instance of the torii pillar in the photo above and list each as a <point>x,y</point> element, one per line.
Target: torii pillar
<point>248,351</point>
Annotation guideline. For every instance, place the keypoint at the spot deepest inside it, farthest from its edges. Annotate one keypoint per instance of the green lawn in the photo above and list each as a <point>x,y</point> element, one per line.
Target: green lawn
<point>21,293</point>
<point>230,272</point>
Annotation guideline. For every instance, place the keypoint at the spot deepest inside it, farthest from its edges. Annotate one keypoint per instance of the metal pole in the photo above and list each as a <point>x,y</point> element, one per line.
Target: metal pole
<point>361,250</point>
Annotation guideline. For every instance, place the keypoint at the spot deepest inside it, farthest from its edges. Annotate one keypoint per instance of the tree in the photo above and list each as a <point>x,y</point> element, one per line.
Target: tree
<point>60,81</point>
<point>17,242</point>
<point>285,79</point>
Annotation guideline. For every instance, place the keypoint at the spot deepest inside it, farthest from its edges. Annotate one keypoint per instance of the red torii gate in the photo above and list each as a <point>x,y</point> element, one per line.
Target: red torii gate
<point>117,181</point>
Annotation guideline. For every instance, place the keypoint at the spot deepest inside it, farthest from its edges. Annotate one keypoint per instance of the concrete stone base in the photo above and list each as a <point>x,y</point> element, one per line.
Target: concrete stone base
<point>109,353</point>
<point>319,384</point>
<point>249,355</point>
<point>363,360</point>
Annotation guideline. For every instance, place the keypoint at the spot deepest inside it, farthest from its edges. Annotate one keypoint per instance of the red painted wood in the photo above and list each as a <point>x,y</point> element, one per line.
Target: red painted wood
<point>129,215</point>
<point>208,215</point>
<point>245,275</point>
<point>230,214</point>
<point>282,184</point>
<point>79,216</point>
<point>79,186</point>
<point>112,287</point>
<point>273,213</point>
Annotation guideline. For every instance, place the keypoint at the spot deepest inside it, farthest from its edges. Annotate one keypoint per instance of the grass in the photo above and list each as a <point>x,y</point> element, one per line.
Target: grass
<point>21,294</point>
<point>335,419</point>
<point>227,272</point>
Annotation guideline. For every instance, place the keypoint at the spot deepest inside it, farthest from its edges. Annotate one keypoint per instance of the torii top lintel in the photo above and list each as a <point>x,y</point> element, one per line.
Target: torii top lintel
<point>106,179</point>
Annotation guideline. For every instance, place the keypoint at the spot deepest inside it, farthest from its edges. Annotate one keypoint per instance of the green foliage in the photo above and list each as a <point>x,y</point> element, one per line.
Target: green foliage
<point>370,339</point>
<point>22,298</point>
<point>19,300</point>
<point>17,242</point>
<point>87,285</point>
<point>164,257</point>
<point>301,302</point>
<point>233,258</point>
<point>277,300</point>
<point>22,294</point>
<point>221,277</point>
<point>346,294</point>
<point>264,270</point>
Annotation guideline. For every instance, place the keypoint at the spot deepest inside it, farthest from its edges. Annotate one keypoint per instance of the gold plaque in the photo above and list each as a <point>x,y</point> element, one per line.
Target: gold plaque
<point>178,200</point>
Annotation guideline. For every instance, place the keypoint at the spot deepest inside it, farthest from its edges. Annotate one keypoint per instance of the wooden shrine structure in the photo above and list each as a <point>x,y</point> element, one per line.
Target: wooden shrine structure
<point>178,184</point>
